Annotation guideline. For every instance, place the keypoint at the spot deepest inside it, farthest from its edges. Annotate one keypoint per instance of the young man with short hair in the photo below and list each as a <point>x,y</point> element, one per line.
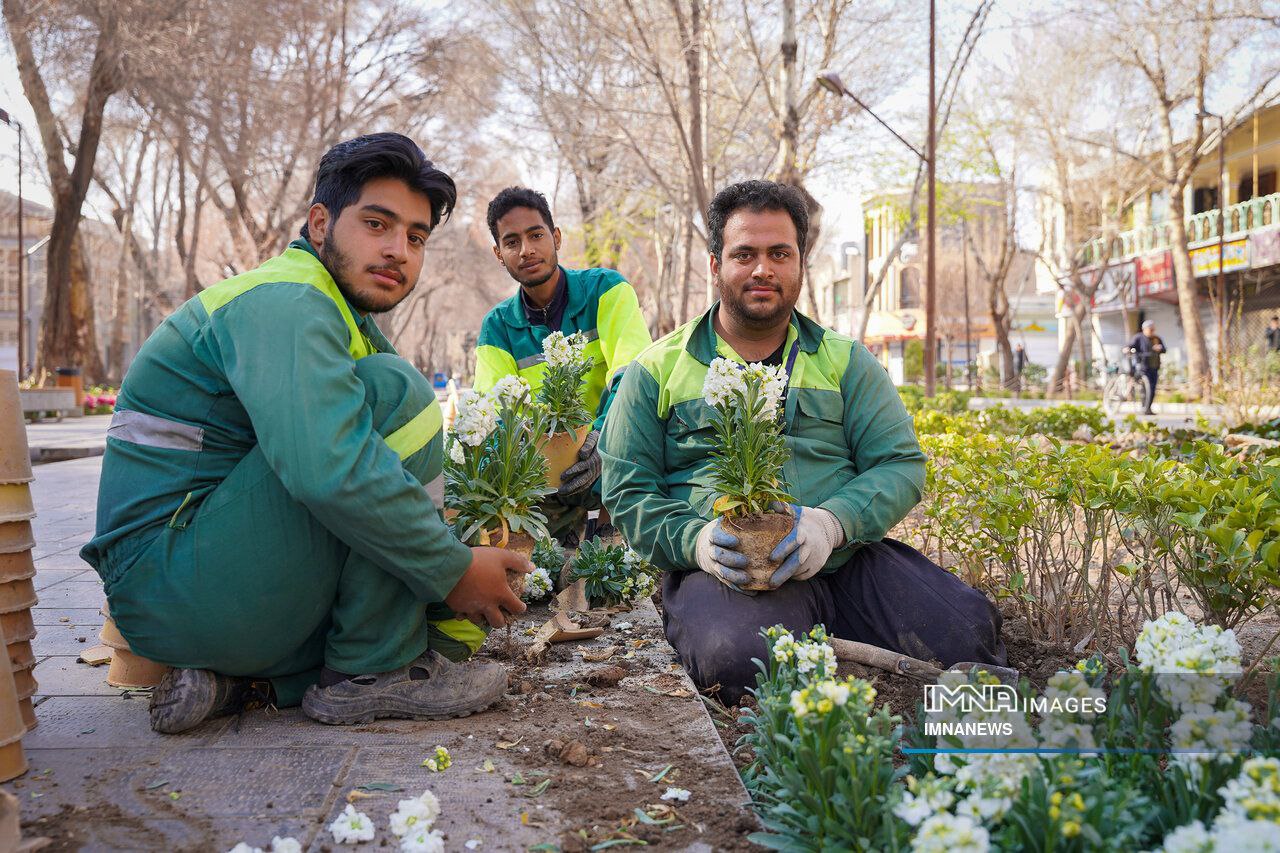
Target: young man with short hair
<point>597,302</point>
<point>854,467</point>
<point>269,515</point>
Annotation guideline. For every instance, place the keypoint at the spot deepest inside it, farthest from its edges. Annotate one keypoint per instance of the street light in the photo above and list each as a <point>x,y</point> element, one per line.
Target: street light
<point>1222,230</point>
<point>830,81</point>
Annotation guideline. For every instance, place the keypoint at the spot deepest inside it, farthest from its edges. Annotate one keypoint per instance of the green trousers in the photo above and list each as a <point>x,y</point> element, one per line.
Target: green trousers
<point>249,583</point>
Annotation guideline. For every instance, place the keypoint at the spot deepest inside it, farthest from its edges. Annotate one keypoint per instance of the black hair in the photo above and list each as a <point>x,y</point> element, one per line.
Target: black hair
<point>348,166</point>
<point>513,197</point>
<point>756,196</point>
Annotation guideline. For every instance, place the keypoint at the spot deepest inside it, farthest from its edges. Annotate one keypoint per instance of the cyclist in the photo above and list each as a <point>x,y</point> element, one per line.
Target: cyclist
<point>1144,360</point>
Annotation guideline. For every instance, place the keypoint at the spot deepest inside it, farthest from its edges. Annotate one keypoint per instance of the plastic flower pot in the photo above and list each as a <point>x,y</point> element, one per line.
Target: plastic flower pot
<point>17,595</point>
<point>17,566</point>
<point>127,669</point>
<point>561,451</point>
<point>13,762</point>
<point>15,459</point>
<point>759,535</point>
<point>15,502</point>
<point>17,626</point>
<point>16,536</point>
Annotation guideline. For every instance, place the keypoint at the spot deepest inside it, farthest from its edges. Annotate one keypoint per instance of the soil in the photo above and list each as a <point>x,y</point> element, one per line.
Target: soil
<point>602,733</point>
<point>760,534</point>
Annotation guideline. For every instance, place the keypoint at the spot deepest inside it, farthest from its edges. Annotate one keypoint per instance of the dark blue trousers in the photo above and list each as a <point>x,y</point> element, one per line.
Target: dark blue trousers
<point>888,594</point>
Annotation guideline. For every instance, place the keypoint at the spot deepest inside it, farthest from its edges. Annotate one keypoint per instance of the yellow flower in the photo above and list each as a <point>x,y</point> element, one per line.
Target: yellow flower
<point>1056,798</point>
<point>1070,829</point>
<point>1054,812</point>
<point>1077,802</point>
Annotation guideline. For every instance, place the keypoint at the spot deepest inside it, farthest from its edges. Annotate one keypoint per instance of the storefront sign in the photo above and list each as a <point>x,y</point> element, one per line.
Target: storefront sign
<point>1154,273</point>
<point>1205,259</point>
<point>1264,248</point>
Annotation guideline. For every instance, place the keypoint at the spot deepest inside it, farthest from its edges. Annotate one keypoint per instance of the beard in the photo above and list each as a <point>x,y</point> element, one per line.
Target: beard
<point>341,267</point>
<point>755,316</point>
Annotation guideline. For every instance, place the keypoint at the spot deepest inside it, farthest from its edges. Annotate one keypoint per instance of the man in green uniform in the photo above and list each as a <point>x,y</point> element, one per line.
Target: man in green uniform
<point>855,470</point>
<point>597,302</point>
<point>269,516</point>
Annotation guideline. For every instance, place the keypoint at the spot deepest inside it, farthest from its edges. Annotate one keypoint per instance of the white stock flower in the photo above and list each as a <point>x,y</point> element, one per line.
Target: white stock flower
<point>537,585</point>
<point>1193,664</point>
<point>352,827</point>
<point>456,454</point>
<point>1212,735</point>
<point>288,844</point>
<point>245,848</point>
<point>414,814</point>
<point>476,418</point>
<point>784,648</point>
<point>809,654</point>
<point>1192,838</point>
<point>1058,733</point>
<point>924,798</point>
<point>724,383</point>
<point>772,382</point>
<point>561,351</point>
<point>837,692</point>
<point>1232,834</point>
<point>945,833</point>
<point>423,841</point>
<point>1071,685</point>
<point>679,795</point>
<point>510,390</point>
<point>1255,793</point>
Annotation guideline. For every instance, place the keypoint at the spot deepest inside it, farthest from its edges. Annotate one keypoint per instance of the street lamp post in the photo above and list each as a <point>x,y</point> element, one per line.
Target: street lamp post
<point>1222,231</point>
<point>830,81</point>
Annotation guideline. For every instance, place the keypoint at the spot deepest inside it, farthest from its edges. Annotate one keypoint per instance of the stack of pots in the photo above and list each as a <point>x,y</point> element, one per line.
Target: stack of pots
<point>17,566</point>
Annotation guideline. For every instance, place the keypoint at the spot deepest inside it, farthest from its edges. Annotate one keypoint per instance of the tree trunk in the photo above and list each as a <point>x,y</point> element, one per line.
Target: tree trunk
<point>1198,375</point>
<point>67,333</point>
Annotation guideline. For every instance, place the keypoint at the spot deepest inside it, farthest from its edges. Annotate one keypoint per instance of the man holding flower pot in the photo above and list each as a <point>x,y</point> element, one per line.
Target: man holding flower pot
<point>269,516</point>
<point>597,303</point>
<point>848,457</point>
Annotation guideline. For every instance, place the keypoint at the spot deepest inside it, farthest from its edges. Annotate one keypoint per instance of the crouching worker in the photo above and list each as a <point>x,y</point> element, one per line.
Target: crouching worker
<point>855,470</point>
<point>269,519</point>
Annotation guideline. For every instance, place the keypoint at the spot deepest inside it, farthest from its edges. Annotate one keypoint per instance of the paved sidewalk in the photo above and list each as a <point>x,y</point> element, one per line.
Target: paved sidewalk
<point>100,779</point>
<point>72,438</point>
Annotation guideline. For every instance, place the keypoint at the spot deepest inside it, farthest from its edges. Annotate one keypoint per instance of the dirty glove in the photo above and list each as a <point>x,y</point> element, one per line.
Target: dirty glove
<point>717,557</point>
<point>581,475</point>
<point>814,535</point>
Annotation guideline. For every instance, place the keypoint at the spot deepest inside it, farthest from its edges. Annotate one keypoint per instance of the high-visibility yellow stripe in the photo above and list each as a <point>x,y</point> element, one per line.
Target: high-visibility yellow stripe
<point>414,435</point>
<point>464,631</point>
<point>294,266</point>
<point>492,363</point>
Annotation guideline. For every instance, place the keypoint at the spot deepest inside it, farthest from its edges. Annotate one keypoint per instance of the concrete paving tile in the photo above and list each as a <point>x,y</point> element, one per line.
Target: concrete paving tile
<point>90,833</point>
<point>472,804</point>
<point>46,578</point>
<point>61,640</point>
<point>62,676</point>
<point>72,615</point>
<point>265,729</point>
<point>67,560</point>
<point>72,596</point>
<point>94,722</point>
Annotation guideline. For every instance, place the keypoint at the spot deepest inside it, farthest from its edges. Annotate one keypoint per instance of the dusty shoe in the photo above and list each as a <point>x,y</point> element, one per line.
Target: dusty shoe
<point>430,688</point>
<point>185,698</point>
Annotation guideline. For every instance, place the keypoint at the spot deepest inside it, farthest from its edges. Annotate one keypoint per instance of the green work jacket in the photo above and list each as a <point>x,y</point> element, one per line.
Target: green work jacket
<point>267,360</point>
<point>600,304</point>
<point>852,445</point>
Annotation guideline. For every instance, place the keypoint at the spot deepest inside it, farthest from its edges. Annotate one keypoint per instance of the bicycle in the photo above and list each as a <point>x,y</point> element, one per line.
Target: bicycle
<point>1123,388</point>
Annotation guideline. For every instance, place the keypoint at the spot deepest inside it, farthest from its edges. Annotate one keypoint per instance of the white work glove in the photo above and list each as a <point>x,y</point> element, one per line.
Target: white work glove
<point>814,535</point>
<point>717,557</point>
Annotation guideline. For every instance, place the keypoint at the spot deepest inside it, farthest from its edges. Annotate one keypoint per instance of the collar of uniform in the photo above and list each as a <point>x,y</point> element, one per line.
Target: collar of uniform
<point>575,301</point>
<point>364,322</point>
<point>559,299</point>
<point>703,340</point>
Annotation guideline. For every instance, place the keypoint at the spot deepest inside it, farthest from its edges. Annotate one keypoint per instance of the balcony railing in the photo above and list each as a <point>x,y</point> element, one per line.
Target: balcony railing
<point>1202,228</point>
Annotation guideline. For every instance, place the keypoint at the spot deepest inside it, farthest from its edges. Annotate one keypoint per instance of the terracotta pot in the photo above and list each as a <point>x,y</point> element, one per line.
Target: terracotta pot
<point>12,760</point>
<point>130,670</point>
<point>17,626</point>
<point>16,566</point>
<point>16,536</point>
<point>561,451</point>
<point>759,534</point>
<point>521,543</point>
<point>110,634</point>
<point>15,502</point>
<point>27,710</point>
<point>15,457</point>
<point>17,595</point>
<point>21,655</point>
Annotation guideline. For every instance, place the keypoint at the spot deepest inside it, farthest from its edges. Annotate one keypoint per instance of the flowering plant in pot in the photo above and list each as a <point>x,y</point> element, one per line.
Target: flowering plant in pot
<point>495,477</point>
<point>746,465</point>
<point>615,575</point>
<point>561,394</point>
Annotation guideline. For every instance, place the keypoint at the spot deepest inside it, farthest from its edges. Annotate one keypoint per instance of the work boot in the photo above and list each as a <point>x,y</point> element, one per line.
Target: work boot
<point>185,698</point>
<point>430,688</point>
